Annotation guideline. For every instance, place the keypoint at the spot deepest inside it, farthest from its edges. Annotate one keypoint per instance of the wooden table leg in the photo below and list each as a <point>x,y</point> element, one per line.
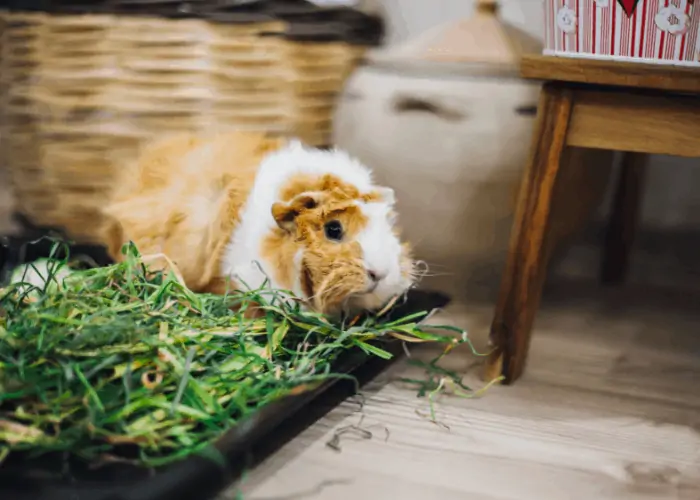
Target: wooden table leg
<point>622,224</point>
<point>525,268</point>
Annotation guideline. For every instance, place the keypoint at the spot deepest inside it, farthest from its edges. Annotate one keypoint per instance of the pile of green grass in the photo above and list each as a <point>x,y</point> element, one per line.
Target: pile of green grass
<point>119,356</point>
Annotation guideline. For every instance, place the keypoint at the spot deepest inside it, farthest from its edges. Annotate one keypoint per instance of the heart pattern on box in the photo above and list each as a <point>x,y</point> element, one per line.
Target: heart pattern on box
<point>629,6</point>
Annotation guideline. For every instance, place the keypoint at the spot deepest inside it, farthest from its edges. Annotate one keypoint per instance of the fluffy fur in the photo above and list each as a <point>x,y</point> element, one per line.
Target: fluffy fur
<point>237,209</point>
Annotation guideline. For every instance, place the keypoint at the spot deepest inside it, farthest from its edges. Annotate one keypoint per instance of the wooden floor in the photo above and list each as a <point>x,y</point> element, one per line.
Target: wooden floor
<point>609,409</point>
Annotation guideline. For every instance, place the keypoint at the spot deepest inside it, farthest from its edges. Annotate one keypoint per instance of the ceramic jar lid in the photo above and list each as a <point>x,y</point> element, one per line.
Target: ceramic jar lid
<point>482,43</point>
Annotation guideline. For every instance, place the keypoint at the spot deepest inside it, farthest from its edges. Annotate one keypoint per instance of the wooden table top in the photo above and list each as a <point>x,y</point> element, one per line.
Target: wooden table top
<point>613,73</point>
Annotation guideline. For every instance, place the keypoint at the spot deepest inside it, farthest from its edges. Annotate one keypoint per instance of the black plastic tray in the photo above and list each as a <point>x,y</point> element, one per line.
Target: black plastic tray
<point>196,477</point>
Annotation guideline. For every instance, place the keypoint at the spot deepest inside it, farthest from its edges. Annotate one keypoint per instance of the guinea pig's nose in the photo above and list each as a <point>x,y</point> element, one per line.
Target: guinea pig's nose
<point>375,276</point>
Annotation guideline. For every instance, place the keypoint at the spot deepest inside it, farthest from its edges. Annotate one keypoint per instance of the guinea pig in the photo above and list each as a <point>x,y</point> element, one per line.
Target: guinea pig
<point>240,210</point>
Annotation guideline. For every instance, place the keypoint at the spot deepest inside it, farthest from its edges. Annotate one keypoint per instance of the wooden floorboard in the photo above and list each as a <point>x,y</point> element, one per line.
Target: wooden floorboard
<point>608,409</point>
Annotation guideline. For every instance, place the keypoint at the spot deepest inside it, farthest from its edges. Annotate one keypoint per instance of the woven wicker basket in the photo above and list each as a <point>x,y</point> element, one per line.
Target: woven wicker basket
<point>82,93</point>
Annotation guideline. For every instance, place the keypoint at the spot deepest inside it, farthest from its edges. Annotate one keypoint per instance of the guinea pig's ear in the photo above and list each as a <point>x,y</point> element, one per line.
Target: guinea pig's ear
<point>387,195</point>
<point>295,144</point>
<point>285,213</point>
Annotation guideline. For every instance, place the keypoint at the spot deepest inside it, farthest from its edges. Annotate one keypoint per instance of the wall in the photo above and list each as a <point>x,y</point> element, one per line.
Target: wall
<point>672,197</point>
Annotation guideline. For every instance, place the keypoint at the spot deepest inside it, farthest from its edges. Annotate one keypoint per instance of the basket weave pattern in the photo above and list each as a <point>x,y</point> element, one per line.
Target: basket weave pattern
<point>82,93</point>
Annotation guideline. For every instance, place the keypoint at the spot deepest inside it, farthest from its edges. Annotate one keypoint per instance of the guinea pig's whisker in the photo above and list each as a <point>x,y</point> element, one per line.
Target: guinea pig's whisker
<point>420,265</point>
<point>433,275</point>
<point>443,268</point>
<point>389,305</point>
<point>320,291</point>
<point>421,269</point>
<point>417,241</point>
<point>341,282</point>
<point>417,271</point>
<point>432,265</point>
<point>327,292</point>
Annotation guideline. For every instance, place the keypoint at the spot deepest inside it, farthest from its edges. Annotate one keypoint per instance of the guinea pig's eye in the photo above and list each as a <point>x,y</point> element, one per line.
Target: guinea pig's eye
<point>333,230</point>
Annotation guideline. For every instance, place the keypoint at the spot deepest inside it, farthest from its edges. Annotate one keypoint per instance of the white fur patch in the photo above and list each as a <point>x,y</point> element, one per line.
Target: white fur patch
<point>379,245</point>
<point>381,249</point>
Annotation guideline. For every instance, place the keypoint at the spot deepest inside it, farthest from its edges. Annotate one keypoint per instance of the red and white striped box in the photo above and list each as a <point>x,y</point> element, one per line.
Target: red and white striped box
<point>657,31</point>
